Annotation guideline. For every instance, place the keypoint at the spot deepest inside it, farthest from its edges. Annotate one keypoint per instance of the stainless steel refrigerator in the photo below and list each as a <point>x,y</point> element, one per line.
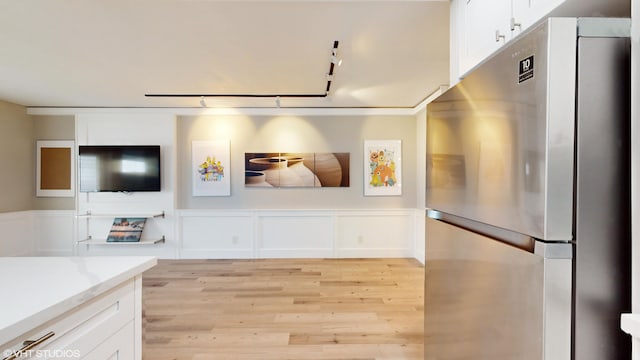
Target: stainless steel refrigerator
<point>528,200</point>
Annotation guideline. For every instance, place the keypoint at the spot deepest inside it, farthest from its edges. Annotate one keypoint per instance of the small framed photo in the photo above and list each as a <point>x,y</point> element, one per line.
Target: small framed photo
<point>382,167</point>
<point>210,168</point>
<point>126,230</point>
<point>55,169</point>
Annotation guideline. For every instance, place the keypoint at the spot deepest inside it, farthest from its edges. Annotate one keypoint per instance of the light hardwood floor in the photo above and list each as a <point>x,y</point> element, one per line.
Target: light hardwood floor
<point>284,309</point>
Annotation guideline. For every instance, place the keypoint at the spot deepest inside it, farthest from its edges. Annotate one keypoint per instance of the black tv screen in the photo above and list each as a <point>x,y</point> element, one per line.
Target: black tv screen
<point>119,168</point>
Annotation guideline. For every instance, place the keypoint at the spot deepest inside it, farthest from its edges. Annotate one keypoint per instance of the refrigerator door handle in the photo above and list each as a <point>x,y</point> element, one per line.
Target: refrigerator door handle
<point>509,237</point>
<point>554,250</point>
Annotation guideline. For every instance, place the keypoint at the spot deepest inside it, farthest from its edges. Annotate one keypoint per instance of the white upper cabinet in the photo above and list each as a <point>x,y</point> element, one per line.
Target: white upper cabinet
<point>527,12</point>
<point>488,29</point>
<point>480,27</point>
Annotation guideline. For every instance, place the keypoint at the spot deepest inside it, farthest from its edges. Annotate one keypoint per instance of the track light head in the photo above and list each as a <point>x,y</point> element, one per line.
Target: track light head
<point>278,101</point>
<point>334,57</point>
<point>202,102</point>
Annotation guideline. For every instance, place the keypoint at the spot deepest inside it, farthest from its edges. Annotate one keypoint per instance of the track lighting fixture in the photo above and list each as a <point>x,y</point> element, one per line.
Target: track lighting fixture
<point>334,61</point>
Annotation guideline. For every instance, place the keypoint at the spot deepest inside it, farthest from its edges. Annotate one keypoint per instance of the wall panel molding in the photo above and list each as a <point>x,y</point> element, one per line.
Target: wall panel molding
<point>237,234</point>
<point>17,233</point>
<point>54,232</point>
<point>297,233</point>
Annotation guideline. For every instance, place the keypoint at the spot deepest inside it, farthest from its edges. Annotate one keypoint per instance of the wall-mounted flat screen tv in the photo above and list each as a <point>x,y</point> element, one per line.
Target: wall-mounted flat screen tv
<point>119,168</point>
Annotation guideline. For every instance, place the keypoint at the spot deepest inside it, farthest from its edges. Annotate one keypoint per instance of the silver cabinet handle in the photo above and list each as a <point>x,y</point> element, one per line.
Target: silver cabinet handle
<point>514,24</point>
<point>30,344</point>
<point>499,36</point>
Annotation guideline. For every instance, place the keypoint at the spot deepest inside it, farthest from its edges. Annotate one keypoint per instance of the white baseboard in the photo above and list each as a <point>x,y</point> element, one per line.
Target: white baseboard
<point>216,254</point>
<point>374,253</point>
<point>295,253</point>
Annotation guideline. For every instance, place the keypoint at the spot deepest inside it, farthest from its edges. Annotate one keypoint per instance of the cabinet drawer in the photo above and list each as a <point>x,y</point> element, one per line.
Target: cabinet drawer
<point>118,346</point>
<point>83,329</point>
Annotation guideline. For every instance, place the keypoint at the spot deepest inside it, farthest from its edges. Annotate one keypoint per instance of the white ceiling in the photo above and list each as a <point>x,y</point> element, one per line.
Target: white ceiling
<point>96,53</point>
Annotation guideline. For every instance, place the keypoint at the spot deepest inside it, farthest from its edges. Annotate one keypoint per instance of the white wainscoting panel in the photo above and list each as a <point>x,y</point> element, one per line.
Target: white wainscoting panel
<point>420,240</point>
<point>54,232</point>
<point>295,234</point>
<point>217,235</point>
<point>375,234</point>
<point>240,234</point>
<point>16,229</point>
<point>230,234</point>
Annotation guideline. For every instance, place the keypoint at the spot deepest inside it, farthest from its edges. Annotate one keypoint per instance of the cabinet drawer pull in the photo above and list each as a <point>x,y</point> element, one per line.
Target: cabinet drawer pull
<point>30,344</point>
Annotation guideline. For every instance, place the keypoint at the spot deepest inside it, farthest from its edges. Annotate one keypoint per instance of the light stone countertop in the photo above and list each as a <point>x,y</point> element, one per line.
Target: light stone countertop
<point>34,290</point>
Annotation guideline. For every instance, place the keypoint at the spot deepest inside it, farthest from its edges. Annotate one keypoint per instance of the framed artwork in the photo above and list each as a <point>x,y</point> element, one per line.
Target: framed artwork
<point>290,169</point>
<point>210,168</point>
<point>382,167</point>
<point>55,170</point>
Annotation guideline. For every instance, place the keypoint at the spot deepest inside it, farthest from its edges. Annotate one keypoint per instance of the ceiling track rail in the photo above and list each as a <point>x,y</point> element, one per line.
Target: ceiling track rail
<point>334,61</point>
<point>242,95</point>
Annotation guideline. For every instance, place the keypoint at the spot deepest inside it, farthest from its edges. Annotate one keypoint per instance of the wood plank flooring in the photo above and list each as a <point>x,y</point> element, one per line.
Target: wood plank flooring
<point>311,309</point>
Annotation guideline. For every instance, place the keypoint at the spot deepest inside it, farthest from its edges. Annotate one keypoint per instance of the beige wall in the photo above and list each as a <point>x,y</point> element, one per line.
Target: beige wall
<point>53,128</point>
<point>18,135</point>
<point>17,158</point>
<point>309,133</point>
<point>296,134</point>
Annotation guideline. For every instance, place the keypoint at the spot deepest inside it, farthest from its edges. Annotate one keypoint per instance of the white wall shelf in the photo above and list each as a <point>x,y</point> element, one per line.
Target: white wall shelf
<point>128,215</point>
<point>89,240</point>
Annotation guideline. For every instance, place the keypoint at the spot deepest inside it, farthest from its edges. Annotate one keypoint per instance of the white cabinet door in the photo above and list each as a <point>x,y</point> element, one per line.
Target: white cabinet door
<point>456,39</point>
<point>486,29</point>
<point>521,16</point>
<point>527,12</point>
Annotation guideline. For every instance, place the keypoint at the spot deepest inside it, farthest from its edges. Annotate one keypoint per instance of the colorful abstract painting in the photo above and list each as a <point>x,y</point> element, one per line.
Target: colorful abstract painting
<point>382,168</point>
<point>210,168</point>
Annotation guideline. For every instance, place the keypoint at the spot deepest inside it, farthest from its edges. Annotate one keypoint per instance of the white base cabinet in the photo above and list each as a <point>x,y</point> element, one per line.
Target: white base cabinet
<point>73,307</point>
<point>103,328</point>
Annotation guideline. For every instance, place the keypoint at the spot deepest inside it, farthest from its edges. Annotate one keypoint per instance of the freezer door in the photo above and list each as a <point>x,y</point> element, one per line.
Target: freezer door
<point>500,144</point>
<point>485,299</point>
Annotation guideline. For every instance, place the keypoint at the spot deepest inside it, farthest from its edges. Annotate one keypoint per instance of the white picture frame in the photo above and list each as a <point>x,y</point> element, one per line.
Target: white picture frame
<point>382,167</point>
<point>210,169</point>
<point>55,168</point>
